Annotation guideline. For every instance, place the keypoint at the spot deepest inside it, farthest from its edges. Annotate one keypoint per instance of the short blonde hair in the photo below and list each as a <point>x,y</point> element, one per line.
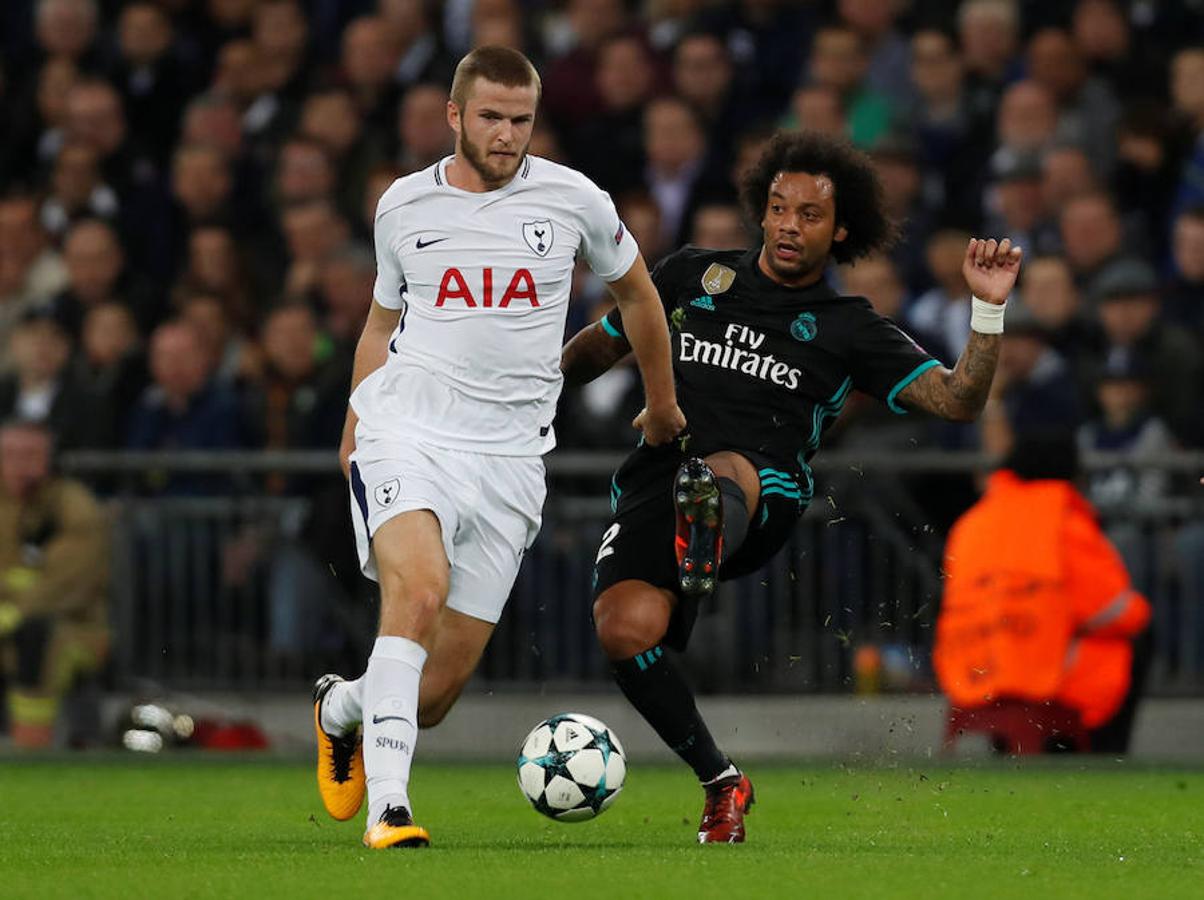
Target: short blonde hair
<point>500,65</point>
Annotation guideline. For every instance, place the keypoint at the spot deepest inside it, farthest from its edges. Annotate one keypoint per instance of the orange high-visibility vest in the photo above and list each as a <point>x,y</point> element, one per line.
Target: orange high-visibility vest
<point>1038,605</point>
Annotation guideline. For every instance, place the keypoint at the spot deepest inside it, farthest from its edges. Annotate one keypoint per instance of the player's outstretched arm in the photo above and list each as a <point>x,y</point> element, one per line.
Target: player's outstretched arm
<point>590,352</point>
<point>370,354</point>
<point>990,269</point>
<point>648,333</point>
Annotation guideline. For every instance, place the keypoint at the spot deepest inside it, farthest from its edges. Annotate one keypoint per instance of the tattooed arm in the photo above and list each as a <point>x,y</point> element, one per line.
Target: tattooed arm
<point>990,269</point>
<point>958,394</point>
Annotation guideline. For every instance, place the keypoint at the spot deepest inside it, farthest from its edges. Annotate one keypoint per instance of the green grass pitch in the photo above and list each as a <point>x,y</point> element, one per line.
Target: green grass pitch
<point>186,826</point>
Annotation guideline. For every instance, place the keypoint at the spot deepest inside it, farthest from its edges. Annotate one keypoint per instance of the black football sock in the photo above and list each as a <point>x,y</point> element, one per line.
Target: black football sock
<point>735,516</point>
<point>656,688</point>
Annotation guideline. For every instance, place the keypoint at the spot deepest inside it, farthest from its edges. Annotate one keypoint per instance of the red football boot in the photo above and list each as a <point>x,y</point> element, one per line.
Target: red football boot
<point>723,816</point>
<point>699,541</point>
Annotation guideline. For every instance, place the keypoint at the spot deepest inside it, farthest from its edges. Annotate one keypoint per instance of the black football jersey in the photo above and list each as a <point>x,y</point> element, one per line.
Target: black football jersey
<point>766,368</point>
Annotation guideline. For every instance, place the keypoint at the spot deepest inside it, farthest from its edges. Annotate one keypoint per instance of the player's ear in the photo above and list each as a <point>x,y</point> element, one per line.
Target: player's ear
<point>453,116</point>
<point>840,234</point>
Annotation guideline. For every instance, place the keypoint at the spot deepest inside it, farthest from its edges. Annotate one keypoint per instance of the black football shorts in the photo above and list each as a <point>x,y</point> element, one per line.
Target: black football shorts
<point>637,544</point>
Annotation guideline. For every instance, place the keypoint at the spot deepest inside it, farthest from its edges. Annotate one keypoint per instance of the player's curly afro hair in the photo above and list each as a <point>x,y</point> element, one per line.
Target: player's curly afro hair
<point>859,202</point>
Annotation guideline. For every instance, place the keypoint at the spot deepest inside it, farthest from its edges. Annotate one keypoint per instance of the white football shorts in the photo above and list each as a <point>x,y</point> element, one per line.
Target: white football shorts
<point>489,509</point>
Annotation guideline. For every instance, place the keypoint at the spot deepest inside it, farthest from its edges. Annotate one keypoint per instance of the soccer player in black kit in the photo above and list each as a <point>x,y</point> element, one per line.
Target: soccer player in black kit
<point>765,355</point>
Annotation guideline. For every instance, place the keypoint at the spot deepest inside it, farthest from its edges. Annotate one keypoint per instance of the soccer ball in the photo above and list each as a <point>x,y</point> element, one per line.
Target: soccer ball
<point>571,767</point>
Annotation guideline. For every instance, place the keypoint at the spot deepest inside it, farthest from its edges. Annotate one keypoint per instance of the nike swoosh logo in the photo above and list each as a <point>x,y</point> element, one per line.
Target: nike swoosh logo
<point>376,720</point>
<point>420,245</point>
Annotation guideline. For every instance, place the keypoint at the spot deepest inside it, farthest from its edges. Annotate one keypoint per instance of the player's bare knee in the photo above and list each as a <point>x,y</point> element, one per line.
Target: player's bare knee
<point>626,626</point>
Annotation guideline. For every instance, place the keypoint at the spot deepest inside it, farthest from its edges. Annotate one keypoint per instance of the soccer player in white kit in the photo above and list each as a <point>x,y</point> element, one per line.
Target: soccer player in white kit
<point>453,393</point>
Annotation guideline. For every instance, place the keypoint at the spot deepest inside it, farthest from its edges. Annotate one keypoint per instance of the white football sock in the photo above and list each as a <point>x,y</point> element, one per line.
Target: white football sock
<point>729,772</point>
<point>390,719</point>
<point>341,710</point>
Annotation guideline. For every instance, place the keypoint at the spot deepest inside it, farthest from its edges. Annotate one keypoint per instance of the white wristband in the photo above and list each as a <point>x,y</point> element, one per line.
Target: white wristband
<point>986,318</point>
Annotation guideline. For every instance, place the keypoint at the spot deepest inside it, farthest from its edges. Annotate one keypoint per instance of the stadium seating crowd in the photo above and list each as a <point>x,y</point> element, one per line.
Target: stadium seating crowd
<point>187,190</point>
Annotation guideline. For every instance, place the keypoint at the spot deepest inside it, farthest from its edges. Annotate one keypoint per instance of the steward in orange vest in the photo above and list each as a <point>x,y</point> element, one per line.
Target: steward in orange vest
<point>1038,605</point>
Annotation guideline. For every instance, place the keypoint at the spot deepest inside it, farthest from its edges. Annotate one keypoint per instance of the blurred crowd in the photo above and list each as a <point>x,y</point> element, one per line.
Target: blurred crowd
<point>187,190</point>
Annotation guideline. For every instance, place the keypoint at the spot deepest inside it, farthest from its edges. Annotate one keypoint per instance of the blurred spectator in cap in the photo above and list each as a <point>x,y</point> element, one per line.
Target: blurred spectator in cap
<point>97,272</point>
<point>423,134</point>
<point>1125,423</point>
<point>367,65</point>
<point>1015,207</point>
<point>1092,237</point>
<point>43,387</point>
<point>838,60</point>
<point>1034,387</point>
<point>676,173</point>
<point>77,191</point>
<point>1087,108</point>
<point>31,272</point>
<point>570,92</point>
<point>905,193</point>
<point>609,148</point>
<point>719,226</point>
<point>944,309</point>
<point>1128,304</point>
<point>152,82</point>
<point>1050,295</point>
<point>1184,296</point>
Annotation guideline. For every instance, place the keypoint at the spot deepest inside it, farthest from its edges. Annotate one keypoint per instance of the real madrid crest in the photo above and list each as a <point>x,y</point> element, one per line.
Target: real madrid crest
<point>538,236</point>
<point>803,328</point>
<point>717,279</point>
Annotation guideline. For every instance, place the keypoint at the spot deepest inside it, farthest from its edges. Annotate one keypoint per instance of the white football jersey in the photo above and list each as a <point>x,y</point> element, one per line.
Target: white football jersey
<point>482,281</point>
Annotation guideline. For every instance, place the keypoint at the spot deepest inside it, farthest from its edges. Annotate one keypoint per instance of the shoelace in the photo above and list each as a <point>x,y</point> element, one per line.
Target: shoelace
<point>344,753</point>
<point>397,816</point>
